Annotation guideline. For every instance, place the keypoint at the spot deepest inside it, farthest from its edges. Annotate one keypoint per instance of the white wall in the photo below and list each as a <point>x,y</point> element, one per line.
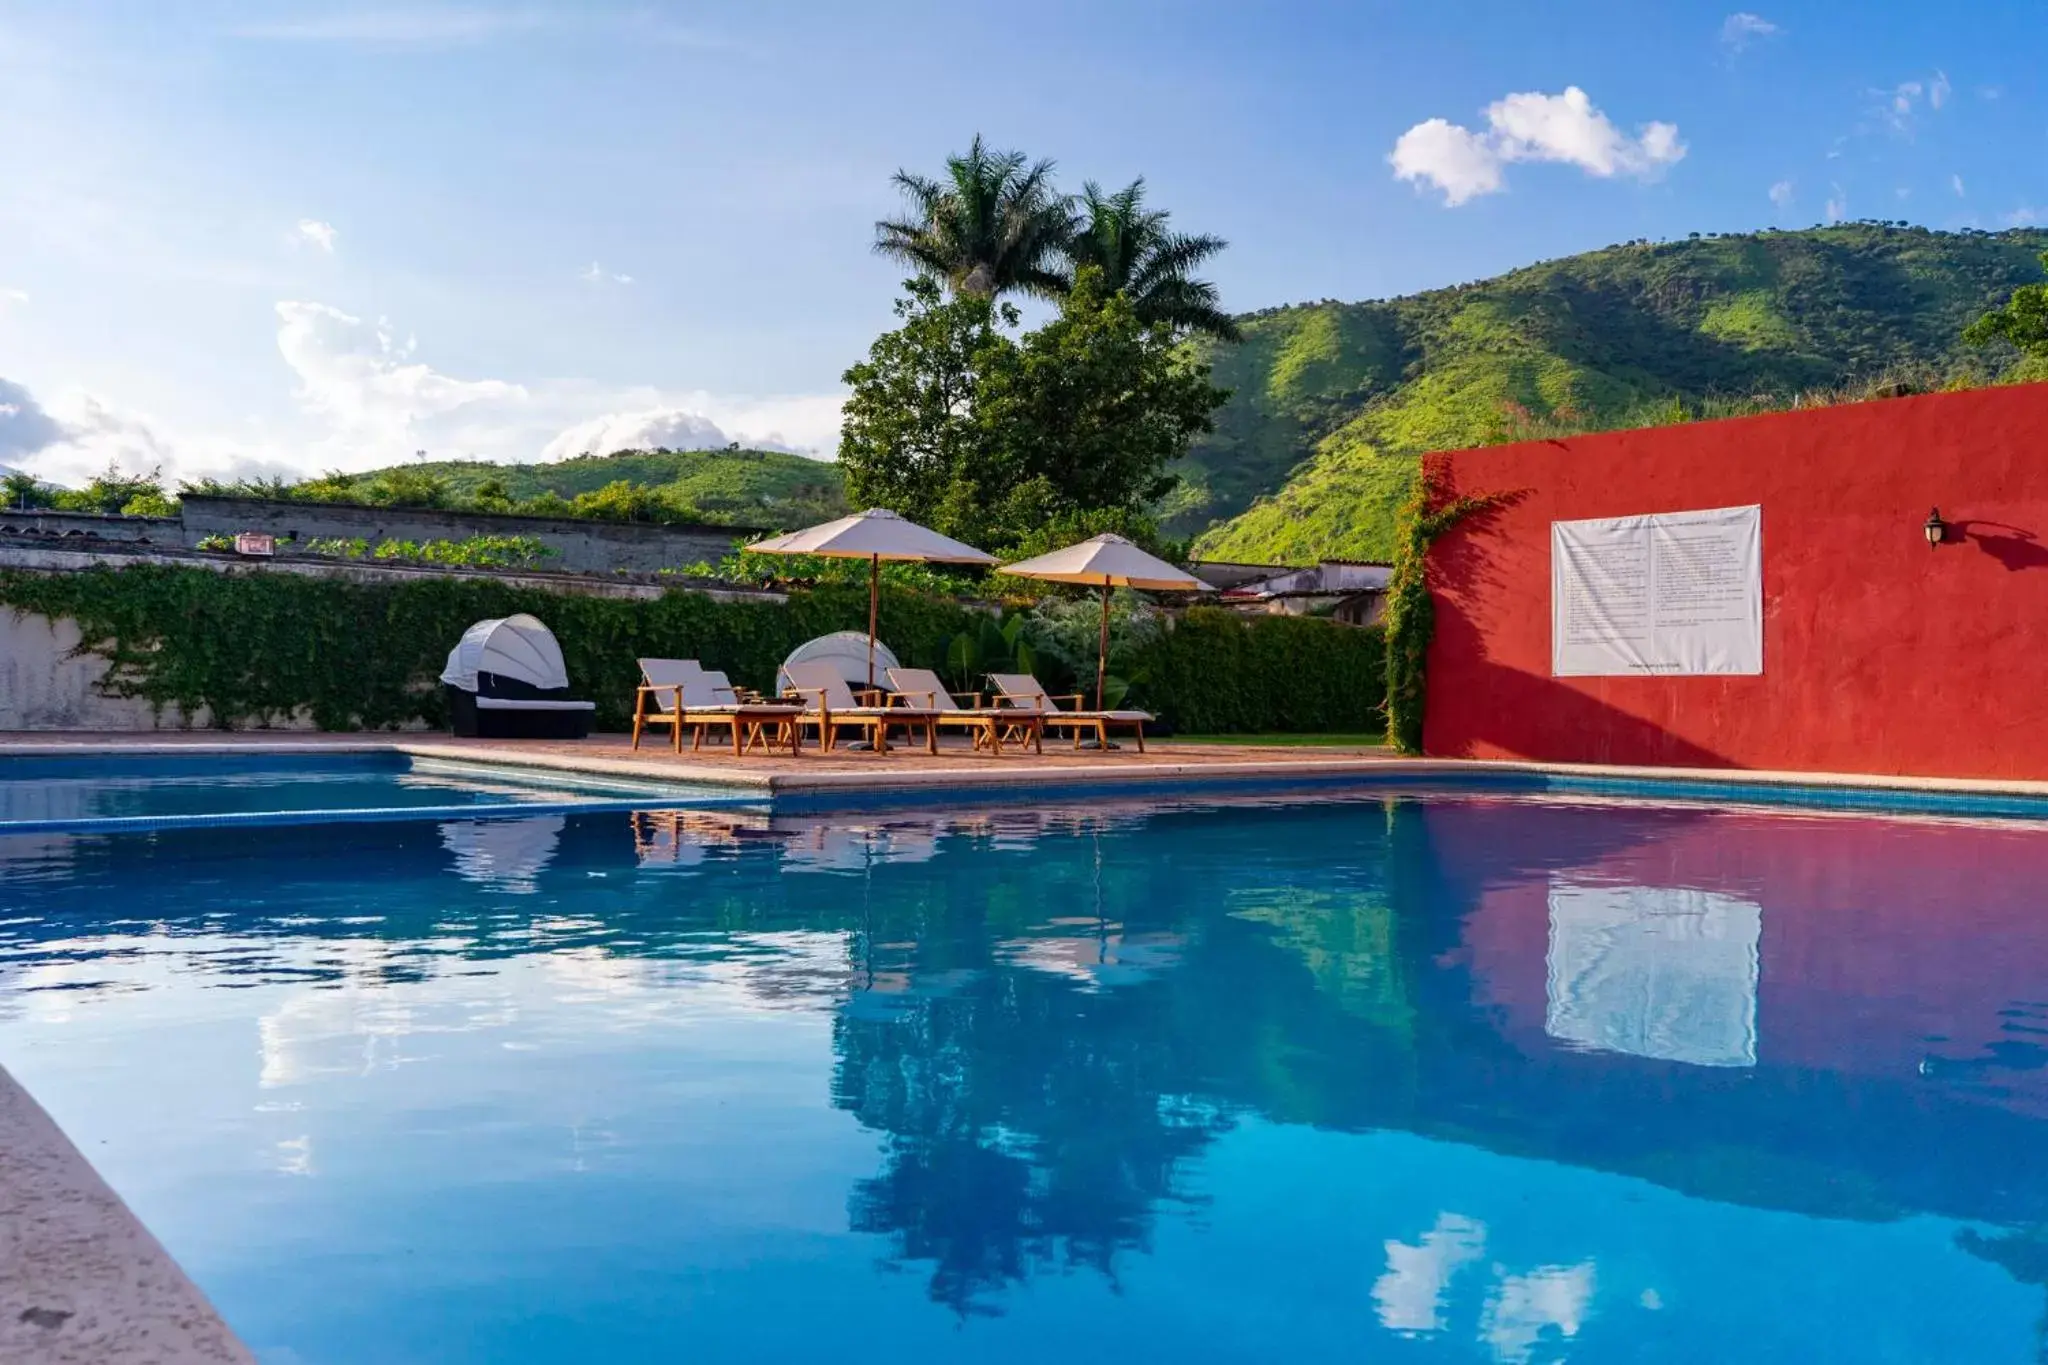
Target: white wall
<point>44,686</point>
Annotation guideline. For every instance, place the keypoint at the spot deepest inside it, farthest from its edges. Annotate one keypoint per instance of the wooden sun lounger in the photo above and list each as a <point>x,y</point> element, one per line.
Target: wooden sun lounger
<point>1022,691</point>
<point>829,704</point>
<point>921,687</point>
<point>684,694</point>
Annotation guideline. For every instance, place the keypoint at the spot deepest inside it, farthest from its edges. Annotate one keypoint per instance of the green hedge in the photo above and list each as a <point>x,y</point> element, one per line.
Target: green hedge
<point>1219,673</point>
<point>253,647</point>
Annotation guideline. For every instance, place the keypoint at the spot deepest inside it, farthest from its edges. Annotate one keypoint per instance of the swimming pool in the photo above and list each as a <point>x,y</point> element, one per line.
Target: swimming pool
<point>1435,1077</point>
<point>168,790</point>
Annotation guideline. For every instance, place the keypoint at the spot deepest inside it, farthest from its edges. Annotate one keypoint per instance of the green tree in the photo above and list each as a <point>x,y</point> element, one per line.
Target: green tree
<point>1139,255</point>
<point>910,438</point>
<point>954,424</point>
<point>619,500</point>
<point>20,489</point>
<point>403,487</point>
<point>150,503</point>
<point>113,491</point>
<point>991,225</point>
<point>491,496</point>
<point>1097,405</point>
<point>2022,322</point>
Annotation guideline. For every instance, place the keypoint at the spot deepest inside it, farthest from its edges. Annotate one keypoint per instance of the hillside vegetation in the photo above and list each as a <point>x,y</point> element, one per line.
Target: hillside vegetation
<point>1332,402</point>
<point>769,489</point>
<point>729,480</point>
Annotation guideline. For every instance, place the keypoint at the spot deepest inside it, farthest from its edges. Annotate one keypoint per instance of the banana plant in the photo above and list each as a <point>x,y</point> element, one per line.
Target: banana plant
<point>997,647</point>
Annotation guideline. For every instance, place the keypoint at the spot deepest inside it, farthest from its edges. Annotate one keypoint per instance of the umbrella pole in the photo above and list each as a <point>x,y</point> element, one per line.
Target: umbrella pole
<point>874,605</point>
<point>1102,653</point>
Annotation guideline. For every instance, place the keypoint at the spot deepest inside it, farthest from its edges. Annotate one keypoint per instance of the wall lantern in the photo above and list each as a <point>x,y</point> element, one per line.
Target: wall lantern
<point>1936,528</point>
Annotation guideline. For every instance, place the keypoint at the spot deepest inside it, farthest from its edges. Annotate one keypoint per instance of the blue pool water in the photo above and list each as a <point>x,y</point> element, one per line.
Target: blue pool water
<point>1391,1077</point>
<point>167,789</point>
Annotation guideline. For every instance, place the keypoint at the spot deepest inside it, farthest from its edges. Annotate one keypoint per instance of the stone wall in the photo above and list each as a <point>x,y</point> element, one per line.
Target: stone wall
<point>581,546</point>
<point>45,684</point>
<point>44,526</point>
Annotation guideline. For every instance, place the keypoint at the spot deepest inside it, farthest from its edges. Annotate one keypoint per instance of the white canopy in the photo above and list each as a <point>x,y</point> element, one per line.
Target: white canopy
<point>1107,560</point>
<point>845,650</point>
<point>874,534</point>
<point>518,647</point>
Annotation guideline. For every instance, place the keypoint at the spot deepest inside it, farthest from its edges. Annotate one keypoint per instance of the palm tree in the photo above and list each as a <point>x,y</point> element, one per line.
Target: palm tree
<point>991,225</point>
<point>1140,256</point>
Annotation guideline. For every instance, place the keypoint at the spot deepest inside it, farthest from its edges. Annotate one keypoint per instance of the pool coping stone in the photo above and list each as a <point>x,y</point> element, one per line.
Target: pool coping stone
<point>1157,769</point>
<point>82,1282</point>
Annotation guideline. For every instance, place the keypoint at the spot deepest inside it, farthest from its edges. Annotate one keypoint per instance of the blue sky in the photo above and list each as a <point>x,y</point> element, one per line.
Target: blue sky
<point>267,237</point>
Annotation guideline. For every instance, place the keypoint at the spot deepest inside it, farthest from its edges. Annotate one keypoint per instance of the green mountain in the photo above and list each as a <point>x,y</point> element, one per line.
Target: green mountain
<point>764,488</point>
<point>1333,402</point>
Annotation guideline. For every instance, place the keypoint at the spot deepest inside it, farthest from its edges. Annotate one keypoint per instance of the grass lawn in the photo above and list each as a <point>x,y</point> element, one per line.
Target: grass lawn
<point>1289,741</point>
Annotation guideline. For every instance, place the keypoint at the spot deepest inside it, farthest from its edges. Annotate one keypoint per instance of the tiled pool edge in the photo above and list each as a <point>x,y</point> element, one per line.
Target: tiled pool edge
<point>82,1282</point>
<point>1161,772</point>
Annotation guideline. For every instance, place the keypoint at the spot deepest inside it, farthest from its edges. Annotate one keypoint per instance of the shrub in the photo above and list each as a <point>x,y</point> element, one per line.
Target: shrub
<point>257,647</point>
<point>1216,672</point>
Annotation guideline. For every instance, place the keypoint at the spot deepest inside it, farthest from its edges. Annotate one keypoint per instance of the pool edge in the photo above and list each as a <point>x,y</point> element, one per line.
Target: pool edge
<point>1874,791</point>
<point>83,1281</point>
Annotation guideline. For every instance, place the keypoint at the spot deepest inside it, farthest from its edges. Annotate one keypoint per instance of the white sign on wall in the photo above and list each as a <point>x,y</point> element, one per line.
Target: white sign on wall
<point>1676,593</point>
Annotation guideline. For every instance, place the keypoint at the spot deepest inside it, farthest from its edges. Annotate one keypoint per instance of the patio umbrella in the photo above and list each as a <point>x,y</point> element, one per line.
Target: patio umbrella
<point>874,535</point>
<point>1110,561</point>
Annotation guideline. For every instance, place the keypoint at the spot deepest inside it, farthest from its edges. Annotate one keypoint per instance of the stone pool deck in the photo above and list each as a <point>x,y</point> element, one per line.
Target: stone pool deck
<point>81,1281</point>
<point>903,768</point>
<point>958,767</point>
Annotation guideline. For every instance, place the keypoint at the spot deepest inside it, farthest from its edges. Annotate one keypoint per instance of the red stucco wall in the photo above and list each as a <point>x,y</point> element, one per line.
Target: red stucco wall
<point>1880,655</point>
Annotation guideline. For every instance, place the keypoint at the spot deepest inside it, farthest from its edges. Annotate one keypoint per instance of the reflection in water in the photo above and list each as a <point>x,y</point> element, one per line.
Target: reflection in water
<point>1664,972</point>
<point>1411,1295</point>
<point>505,854</point>
<point>1486,1078</point>
<point>1544,1307</point>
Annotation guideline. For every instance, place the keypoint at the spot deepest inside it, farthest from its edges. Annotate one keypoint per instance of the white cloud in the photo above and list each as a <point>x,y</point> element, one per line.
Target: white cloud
<point>2026,215</point>
<point>1837,206</point>
<point>1410,1296</point>
<point>1551,1299</point>
<point>1459,161</point>
<point>1956,183</point>
<point>421,26</point>
<point>597,274</point>
<point>313,232</point>
<point>366,399</point>
<point>76,436</point>
<point>25,427</point>
<point>1742,28</point>
<point>654,428</point>
<point>379,403</point>
<point>1781,194</point>
<point>367,386</point>
<point>1530,127</point>
<point>13,296</point>
<point>1899,105</point>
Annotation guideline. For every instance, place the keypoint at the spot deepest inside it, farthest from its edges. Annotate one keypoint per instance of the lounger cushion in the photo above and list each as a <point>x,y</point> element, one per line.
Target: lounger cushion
<point>522,704</point>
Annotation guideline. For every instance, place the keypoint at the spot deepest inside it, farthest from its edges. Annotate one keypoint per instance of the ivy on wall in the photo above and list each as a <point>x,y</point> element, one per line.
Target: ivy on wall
<point>1409,617</point>
<point>258,647</point>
